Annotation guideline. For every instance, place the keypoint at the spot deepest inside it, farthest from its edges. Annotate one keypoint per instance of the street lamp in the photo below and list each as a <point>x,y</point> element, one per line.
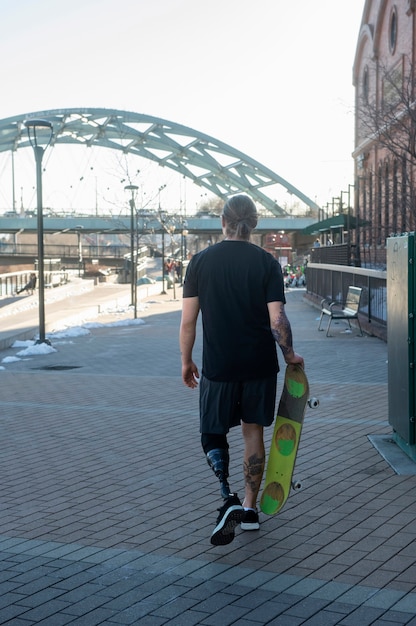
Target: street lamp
<point>184,234</point>
<point>171,229</point>
<point>40,132</point>
<point>133,282</point>
<point>162,219</point>
<point>80,259</point>
<point>349,213</point>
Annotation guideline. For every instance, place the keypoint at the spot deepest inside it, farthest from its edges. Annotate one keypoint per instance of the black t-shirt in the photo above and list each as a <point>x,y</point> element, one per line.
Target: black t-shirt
<point>234,281</point>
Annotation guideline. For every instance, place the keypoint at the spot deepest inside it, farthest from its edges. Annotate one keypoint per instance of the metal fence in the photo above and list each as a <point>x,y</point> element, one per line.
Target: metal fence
<point>332,282</point>
<point>339,254</point>
<point>11,282</point>
<point>64,251</point>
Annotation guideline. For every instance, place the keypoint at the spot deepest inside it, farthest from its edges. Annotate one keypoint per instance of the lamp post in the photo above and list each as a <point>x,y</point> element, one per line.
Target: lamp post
<point>162,219</point>
<point>133,282</point>
<point>184,235</point>
<point>80,259</point>
<point>40,132</point>
<point>171,230</point>
<point>349,213</point>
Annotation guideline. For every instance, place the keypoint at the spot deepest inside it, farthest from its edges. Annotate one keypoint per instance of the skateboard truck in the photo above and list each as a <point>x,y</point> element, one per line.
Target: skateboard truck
<point>218,460</point>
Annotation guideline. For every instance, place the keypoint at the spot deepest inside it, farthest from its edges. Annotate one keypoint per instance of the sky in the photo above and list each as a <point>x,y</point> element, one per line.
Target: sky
<point>271,78</point>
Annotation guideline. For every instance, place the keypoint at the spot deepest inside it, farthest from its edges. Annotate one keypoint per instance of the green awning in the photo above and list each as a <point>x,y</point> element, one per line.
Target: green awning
<point>341,221</point>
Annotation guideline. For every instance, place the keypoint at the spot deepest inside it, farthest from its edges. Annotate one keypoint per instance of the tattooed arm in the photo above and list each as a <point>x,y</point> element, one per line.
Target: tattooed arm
<point>282,332</point>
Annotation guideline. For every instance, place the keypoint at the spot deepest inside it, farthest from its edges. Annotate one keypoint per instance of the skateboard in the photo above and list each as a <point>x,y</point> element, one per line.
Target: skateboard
<point>285,441</point>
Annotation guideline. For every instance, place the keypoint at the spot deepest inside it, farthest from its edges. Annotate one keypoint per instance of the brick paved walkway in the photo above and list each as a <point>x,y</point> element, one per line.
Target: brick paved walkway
<point>107,503</point>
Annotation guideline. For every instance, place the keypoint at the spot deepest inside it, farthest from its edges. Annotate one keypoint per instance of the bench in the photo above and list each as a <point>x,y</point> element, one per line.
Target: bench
<point>342,311</point>
<point>55,279</point>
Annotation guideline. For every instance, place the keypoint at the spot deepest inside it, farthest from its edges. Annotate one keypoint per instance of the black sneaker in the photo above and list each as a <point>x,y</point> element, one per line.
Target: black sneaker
<point>231,514</point>
<point>250,520</point>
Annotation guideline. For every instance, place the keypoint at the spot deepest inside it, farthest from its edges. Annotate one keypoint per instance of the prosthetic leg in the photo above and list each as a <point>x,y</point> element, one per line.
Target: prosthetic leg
<point>218,460</point>
<point>231,513</point>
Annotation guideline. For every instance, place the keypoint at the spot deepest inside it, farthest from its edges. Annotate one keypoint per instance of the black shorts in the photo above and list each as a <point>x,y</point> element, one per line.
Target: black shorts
<point>223,405</point>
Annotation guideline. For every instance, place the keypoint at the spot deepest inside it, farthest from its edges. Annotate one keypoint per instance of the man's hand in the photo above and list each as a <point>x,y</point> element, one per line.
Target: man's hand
<point>190,375</point>
<point>294,359</point>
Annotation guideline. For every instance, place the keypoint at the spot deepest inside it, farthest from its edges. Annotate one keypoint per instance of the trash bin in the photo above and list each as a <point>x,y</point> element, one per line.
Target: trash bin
<point>401,291</point>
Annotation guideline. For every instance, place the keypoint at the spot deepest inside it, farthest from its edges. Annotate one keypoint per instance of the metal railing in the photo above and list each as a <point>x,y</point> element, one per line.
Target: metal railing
<point>337,254</point>
<point>11,282</point>
<point>332,282</point>
<point>64,251</point>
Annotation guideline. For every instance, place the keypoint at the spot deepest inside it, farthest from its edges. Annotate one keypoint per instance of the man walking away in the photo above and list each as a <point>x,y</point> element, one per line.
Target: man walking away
<point>238,287</point>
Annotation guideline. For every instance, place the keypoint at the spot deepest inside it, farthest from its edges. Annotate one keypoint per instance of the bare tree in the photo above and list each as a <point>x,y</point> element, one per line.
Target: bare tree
<point>386,131</point>
<point>213,205</point>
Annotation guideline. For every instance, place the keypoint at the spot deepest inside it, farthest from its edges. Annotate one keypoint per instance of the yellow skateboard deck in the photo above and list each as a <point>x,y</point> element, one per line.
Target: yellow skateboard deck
<point>285,441</point>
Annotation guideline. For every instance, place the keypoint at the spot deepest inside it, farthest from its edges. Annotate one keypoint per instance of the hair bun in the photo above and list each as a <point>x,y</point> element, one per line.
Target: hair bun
<point>240,215</point>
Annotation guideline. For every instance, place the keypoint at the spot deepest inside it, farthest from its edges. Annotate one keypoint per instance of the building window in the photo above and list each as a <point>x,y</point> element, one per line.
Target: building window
<point>392,84</point>
<point>365,211</point>
<point>395,202</point>
<point>404,194</point>
<point>378,225</point>
<point>393,30</point>
<point>365,85</point>
<point>370,208</point>
<point>386,201</point>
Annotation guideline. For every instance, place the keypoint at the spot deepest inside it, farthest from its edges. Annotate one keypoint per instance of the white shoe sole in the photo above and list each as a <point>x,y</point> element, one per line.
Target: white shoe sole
<point>250,526</point>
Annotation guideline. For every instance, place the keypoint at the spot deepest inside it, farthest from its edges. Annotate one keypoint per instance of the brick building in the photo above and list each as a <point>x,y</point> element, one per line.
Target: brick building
<point>385,125</point>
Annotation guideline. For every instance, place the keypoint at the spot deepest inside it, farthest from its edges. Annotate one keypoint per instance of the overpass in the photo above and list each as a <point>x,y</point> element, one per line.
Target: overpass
<point>13,254</point>
<point>151,223</point>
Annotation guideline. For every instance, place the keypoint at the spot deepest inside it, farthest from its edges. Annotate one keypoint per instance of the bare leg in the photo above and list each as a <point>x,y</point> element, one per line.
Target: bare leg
<point>254,460</point>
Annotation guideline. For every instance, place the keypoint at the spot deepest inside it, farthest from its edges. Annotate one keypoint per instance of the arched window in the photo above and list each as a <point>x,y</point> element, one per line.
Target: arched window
<point>364,209</point>
<point>395,199</point>
<point>365,85</point>
<point>379,213</point>
<point>386,201</point>
<point>370,208</point>
<point>403,194</point>
<point>393,30</point>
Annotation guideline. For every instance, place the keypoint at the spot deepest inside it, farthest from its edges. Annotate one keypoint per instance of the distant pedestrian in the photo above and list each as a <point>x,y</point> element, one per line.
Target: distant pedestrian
<point>30,286</point>
<point>317,243</point>
<point>178,269</point>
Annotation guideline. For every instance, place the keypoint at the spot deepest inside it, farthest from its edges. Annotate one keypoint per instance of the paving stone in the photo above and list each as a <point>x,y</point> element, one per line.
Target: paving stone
<point>108,504</point>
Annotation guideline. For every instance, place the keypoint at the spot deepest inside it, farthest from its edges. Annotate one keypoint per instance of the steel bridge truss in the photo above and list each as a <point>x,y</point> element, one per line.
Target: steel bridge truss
<point>208,162</point>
